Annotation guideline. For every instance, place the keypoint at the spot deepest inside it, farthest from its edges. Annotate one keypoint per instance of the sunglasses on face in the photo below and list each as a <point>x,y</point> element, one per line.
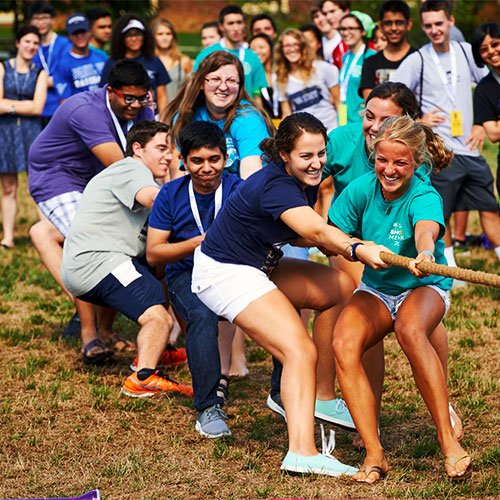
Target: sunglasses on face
<point>130,99</point>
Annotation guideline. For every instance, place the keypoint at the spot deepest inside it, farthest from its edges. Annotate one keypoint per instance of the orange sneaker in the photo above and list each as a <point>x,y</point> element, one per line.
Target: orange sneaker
<point>171,357</point>
<point>156,383</point>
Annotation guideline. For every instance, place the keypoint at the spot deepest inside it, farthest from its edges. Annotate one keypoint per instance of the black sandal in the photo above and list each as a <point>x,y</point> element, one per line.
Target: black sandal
<point>223,387</point>
<point>99,357</point>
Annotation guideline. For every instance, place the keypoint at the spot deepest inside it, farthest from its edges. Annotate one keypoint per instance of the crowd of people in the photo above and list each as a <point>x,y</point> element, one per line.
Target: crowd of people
<point>192,193</point>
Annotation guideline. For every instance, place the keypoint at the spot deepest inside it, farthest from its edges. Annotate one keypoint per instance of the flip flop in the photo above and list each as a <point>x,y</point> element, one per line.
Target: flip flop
<point>120,344</point>
<point>452,461</point>
<point>105,353</point>
<point>367,471</point>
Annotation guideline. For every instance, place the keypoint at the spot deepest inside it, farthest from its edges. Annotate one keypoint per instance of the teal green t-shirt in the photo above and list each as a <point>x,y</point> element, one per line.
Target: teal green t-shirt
<point>346,157</point>
<point>361,211</point>
<point>255,74</point>
<point>354,102</point>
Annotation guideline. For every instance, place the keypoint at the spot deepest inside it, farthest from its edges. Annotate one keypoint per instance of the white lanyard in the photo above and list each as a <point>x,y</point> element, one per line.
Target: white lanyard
<point>46,62</point>
<point>194,206</point>
<point>344,79</point>
<point>241,50</point>
<point>117,125</point>
<point>452,92</point>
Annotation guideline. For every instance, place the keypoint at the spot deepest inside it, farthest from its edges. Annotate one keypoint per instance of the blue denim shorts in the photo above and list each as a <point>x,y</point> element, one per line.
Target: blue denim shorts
<point>393,302</point>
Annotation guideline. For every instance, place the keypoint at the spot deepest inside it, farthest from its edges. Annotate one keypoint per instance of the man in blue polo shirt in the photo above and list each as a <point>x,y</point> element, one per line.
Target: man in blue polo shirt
<point>232,23</point>
<point>79,69</point>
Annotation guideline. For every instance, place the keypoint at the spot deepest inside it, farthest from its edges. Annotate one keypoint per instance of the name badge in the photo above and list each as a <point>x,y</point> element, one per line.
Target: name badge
<point>456,123</point>
<point>342,114</point>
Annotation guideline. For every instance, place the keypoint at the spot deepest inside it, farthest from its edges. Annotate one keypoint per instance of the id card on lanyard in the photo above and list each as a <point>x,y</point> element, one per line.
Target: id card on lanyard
<point>194,206</point>
<point>451,89</point>
<point>116,123</point>
<point>345,75</point>
<point>241,50</point>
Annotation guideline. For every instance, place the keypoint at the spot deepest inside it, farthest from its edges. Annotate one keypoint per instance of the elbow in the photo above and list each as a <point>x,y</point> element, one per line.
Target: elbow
<point>151,257</point>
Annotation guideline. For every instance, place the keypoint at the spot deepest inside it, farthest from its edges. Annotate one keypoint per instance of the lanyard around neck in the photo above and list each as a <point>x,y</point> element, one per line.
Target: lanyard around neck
<point>194,206</point>
<point>116,123</point>
<point>46,62</point>
<point>451,91</point>
<point>241,50</point>
<point>345,75</point>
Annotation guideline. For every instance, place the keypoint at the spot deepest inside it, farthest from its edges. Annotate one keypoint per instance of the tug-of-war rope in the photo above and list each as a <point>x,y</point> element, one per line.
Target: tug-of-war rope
<point>457,273</point>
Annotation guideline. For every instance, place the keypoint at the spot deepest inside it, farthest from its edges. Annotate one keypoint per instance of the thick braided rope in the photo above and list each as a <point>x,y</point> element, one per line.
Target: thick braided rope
<point>457,273</point>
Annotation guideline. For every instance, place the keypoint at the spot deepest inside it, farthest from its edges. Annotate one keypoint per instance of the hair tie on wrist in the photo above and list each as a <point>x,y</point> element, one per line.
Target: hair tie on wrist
<point>429,253</point>
<point>353,251</point>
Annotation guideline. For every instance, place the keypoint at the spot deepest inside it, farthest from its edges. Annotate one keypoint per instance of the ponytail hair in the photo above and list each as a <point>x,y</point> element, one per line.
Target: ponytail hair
<point>290,129</point>
<point>424,145</point>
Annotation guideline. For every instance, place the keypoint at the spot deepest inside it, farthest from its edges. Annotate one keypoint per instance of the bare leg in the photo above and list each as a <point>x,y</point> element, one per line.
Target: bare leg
<point>9,207</point>
<point>491,227</point>
<point>460,224</point>
<point>152,338</point>
<point>238,367</point>
<point>418,316</point>
<point>226,335</point>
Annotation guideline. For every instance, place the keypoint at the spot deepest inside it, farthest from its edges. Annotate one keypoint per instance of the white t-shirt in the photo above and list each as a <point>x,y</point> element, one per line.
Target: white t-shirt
<point>330,45</point>
<point>434,94</point>
<point>313,96</point>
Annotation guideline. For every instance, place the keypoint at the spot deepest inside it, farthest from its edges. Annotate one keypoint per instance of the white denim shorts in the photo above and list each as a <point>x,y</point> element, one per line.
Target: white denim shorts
<point>61,210</point>
<point>393,302</point>
<point>227,289</point>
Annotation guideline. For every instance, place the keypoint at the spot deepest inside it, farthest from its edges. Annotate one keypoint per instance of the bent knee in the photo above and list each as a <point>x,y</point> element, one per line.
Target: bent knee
<point>301,349</point>
<point>157,315</point>
<point>346,346</point>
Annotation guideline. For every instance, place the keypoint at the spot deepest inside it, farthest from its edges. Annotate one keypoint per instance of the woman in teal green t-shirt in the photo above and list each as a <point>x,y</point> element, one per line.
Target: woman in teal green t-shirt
<point>397,208</point>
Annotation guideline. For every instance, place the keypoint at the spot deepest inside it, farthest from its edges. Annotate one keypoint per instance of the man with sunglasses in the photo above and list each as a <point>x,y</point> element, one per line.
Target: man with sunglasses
<point>395,23</point>
<point>86,134</point>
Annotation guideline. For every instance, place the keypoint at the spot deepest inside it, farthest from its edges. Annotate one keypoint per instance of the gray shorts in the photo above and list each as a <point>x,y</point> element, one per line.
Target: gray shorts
<point>61,210</point>
<point>467,184</point>
<point>393,302</point>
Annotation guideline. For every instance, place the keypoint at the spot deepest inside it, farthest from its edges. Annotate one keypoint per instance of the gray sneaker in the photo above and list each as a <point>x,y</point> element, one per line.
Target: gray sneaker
<point>274,403</point>
<point>210,422</point>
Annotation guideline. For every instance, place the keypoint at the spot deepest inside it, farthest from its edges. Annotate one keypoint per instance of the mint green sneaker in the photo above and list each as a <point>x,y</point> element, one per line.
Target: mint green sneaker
<point>334,411</point>
<point>317,464</point>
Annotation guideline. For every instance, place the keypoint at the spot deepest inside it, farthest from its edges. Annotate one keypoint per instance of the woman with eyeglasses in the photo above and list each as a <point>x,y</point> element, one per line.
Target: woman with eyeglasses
<point>176,63</point>
<point>216,93</point>
<point>303,82</point>
<point>132,39</point>
<point>352,32</point>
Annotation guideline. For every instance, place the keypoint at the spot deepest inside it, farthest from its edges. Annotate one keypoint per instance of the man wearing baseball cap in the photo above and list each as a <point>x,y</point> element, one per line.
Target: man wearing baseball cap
<point>81,67</point>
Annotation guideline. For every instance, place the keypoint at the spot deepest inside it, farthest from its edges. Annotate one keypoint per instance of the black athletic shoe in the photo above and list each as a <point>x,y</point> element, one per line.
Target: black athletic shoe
<point>73,329</point>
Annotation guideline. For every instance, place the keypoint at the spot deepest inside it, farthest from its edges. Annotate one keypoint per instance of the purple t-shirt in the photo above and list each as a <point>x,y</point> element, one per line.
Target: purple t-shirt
<point>60,159</point>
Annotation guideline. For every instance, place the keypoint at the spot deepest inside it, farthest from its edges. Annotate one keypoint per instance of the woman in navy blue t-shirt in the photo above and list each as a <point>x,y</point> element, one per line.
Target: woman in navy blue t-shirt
<point>238,273</point>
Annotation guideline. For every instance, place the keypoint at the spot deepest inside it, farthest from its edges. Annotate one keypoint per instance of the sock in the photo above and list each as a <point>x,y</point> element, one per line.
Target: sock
<point>144,373</point>
<point>450,257</point>
<point>497,251</point>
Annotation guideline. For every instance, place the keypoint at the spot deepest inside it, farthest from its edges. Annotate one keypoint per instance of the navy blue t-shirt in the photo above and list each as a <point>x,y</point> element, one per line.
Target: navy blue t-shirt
<point>172,212</point>
<point>248,229</point>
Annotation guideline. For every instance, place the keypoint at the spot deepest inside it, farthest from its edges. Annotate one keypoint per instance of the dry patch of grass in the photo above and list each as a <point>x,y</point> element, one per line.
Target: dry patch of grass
<point>66,429</point>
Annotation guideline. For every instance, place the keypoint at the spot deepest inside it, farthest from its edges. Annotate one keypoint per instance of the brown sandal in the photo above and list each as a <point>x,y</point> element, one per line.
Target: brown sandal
<point>120,344</point>
<point>452,461</point>
<point>368,470</point>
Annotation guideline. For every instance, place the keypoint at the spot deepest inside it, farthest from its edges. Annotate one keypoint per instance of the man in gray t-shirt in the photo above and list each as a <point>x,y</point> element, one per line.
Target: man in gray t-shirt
<point>441,75</point>
<point>103,256</point>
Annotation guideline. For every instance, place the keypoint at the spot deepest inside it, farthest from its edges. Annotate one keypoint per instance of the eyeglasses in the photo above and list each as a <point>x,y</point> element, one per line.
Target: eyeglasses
<point>130,99</point>
<point>291,46</point>
<point>41,18</point>
<point>215,82</point>
<point>399,23</point>
<point>349,28</point>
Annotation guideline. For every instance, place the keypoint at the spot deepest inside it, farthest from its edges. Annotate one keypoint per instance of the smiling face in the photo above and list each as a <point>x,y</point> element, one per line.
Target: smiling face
<point>394,168</point>
<point>333,14</point>
<point>290,47</point>
<point>436,26</point>
<point>43,22</point>
<point>351,32</point>
<point>264,26</point>
<point>312,41</point>
<point>489,50</point>
<point>377,110</point>
<point>156,154</point>
<point>123,110</point>
<point>221,90</point>
<point>27,46</point>
<point>321,22</point>
<point>209,36</point>
<point>262,49</point>
<point>307,159</point>
<point>395,27</point>
<point>206,166</point>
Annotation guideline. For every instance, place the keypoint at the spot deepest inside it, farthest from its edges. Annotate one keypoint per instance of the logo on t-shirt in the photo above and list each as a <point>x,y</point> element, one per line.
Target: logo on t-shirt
<point>396,234</point>
<point>305,98</point>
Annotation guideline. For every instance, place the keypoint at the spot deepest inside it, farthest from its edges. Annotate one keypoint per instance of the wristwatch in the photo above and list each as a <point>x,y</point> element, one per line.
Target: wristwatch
<point>12,110</point>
